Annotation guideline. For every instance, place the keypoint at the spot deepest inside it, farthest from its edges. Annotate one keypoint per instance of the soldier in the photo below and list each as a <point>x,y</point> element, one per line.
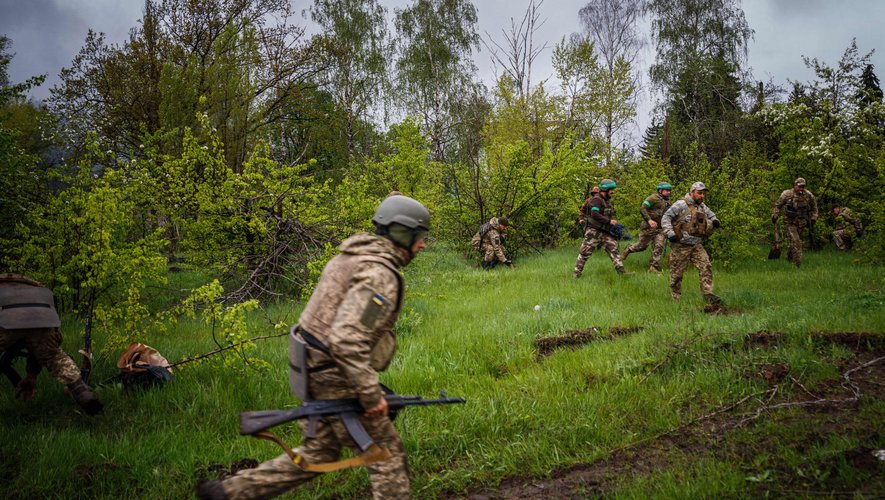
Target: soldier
<point>598,215</point>
<point>687,224</point>
<point>490,236</point>
<point>652,209</point>
<point>28,318</point>
<point>347,326</point>
<point>846,229</point>
<point>800,210</point>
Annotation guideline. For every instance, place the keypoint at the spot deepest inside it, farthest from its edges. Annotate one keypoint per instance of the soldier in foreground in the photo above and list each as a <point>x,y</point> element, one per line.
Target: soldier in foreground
<point>28,318</point>
<point>847,228</point>
<point>687,224</point>
<point>489,239</point>
<point>597,215</point>
<point>652,209</point>
<point>800,211</point>
<point>347,326</point>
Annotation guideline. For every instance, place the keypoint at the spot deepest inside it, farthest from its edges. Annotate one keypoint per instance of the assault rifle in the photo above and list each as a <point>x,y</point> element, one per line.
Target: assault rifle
<point>256,423</point>
<point>619,233</point>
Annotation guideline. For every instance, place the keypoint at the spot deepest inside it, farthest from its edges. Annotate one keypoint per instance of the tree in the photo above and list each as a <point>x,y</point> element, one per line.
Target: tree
<point>701,47</point>
<point>436,40</point>
<point>611,24</point>
<point>518,52</point>
<point>358,49</point>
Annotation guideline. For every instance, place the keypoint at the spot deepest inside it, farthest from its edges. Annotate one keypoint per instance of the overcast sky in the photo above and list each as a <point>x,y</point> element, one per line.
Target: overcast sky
<point>47,34</point>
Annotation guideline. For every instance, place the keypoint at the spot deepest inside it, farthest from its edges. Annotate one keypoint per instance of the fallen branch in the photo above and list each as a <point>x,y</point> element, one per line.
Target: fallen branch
<point>225,348</point>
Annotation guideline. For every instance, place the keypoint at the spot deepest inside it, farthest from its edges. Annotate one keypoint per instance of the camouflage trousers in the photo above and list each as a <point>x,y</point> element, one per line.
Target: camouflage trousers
<point>842,240</point>
<point>389,478</point>
<point>794,232</point>
<point>45,345</point>
<point>647,235</point>
<point>593,239</point>
<point>683,255</point>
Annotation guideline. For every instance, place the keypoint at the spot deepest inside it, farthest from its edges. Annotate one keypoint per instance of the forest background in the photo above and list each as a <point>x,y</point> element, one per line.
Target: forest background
<point>221,137</point>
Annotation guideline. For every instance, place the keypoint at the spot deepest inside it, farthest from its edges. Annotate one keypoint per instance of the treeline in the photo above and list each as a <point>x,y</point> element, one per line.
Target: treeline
<point>222,135</point>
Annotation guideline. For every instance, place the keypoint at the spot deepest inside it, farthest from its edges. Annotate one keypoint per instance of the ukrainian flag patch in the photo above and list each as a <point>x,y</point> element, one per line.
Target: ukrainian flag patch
<point>378,299</point>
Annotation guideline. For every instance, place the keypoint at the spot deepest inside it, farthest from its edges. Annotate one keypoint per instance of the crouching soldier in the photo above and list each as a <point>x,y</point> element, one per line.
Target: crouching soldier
<point>652,209</point>
<point>28,319</point>
<point>489,241</point>
<point>847,228</point>
<point>687,224</point>
<point>347,327</point>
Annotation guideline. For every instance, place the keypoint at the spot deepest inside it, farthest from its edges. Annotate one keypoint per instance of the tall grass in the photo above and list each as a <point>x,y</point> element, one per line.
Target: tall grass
<point>472,333</point>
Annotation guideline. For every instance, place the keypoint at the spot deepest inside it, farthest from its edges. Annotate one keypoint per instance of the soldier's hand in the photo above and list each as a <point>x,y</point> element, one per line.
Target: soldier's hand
<point>716,223</point>
<point>674,239</point>
<point>508,262</point>
<point>613,222</point>
<point>652,224</point>
<point>379,410</point>
<point>581,221</point>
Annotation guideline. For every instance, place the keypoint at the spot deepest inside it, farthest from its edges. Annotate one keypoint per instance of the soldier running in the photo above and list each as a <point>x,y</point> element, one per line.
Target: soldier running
<point>598,215</point>
<point>687,224</point>
<point>652,209</point>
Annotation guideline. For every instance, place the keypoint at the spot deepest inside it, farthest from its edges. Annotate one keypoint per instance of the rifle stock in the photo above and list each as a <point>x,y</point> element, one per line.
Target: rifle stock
<point>253,422</point>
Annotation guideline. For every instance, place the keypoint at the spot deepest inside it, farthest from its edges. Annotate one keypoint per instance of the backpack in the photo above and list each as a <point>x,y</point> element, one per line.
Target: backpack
<point>143,366</point>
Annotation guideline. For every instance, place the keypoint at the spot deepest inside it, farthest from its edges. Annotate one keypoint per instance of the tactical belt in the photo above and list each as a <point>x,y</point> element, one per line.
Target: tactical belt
<point>318,345</point>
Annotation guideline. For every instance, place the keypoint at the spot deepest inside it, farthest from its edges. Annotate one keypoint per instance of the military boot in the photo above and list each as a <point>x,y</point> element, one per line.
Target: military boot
<point>84,397</point>
<point>211,490</point>
<point>713,299</point>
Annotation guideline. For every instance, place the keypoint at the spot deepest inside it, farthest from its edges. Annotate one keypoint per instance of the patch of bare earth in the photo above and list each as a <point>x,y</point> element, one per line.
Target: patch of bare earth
<point>825,410</point>
<point>545,346</point>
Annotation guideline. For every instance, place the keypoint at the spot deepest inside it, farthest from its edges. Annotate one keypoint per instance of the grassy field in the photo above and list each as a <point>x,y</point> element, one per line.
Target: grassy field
<point>642,397</point>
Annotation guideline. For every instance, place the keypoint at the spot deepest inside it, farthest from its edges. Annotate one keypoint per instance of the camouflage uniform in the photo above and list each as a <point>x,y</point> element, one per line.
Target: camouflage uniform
<point>689,249</point>
<point>597,212</point>
<point>490,244</point>
<point>800,211</point>
<point>352,311</point>
<point>652,209</point>
<point>41,337</point>
<point>847,228</point>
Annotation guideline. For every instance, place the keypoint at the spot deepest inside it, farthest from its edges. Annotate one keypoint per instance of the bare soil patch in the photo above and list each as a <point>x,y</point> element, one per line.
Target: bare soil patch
<point>545,346</point>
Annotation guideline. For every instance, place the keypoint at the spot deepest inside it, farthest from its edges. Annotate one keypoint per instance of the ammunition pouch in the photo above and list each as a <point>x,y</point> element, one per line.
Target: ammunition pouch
<point>27,307</point>
<point>298,365</point>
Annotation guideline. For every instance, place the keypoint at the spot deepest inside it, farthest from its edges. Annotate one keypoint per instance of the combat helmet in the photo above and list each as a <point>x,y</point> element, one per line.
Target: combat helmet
<point>664,185</point>
<point>401,219</point>
<point>607,184</point>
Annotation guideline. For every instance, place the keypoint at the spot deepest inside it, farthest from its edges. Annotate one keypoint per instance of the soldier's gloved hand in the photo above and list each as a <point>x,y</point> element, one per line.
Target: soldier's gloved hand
<point>674,239</point>
<point>716,223</point>
<point>508,262</point>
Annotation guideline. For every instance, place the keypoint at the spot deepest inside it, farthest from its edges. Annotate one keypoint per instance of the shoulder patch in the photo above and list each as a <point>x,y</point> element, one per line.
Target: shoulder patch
<point>373,310</point>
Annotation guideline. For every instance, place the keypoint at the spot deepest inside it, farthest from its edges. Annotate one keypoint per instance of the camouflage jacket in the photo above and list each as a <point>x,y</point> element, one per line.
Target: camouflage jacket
<point>797,207</point>
<point>846,220</point>
<point>679,216</point>
<point>597,212</point>
<point>352,312</point>
<point>491,238</point>
<point>653,208</point>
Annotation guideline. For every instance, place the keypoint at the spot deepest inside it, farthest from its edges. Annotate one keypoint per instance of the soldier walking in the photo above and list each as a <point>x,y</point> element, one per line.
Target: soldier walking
<point>800,211</point>
<point>847,227</point>
<point>28,319</point>
<point>347,325</point>
<point>598,215</point>
<point>687,224</point>
<point>652,209</point>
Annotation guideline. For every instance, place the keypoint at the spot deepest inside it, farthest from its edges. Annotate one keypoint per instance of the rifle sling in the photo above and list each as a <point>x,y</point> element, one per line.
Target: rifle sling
<point>374,454</point>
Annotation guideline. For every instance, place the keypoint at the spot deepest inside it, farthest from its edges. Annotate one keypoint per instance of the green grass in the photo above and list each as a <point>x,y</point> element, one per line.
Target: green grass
<point>471,332</point>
